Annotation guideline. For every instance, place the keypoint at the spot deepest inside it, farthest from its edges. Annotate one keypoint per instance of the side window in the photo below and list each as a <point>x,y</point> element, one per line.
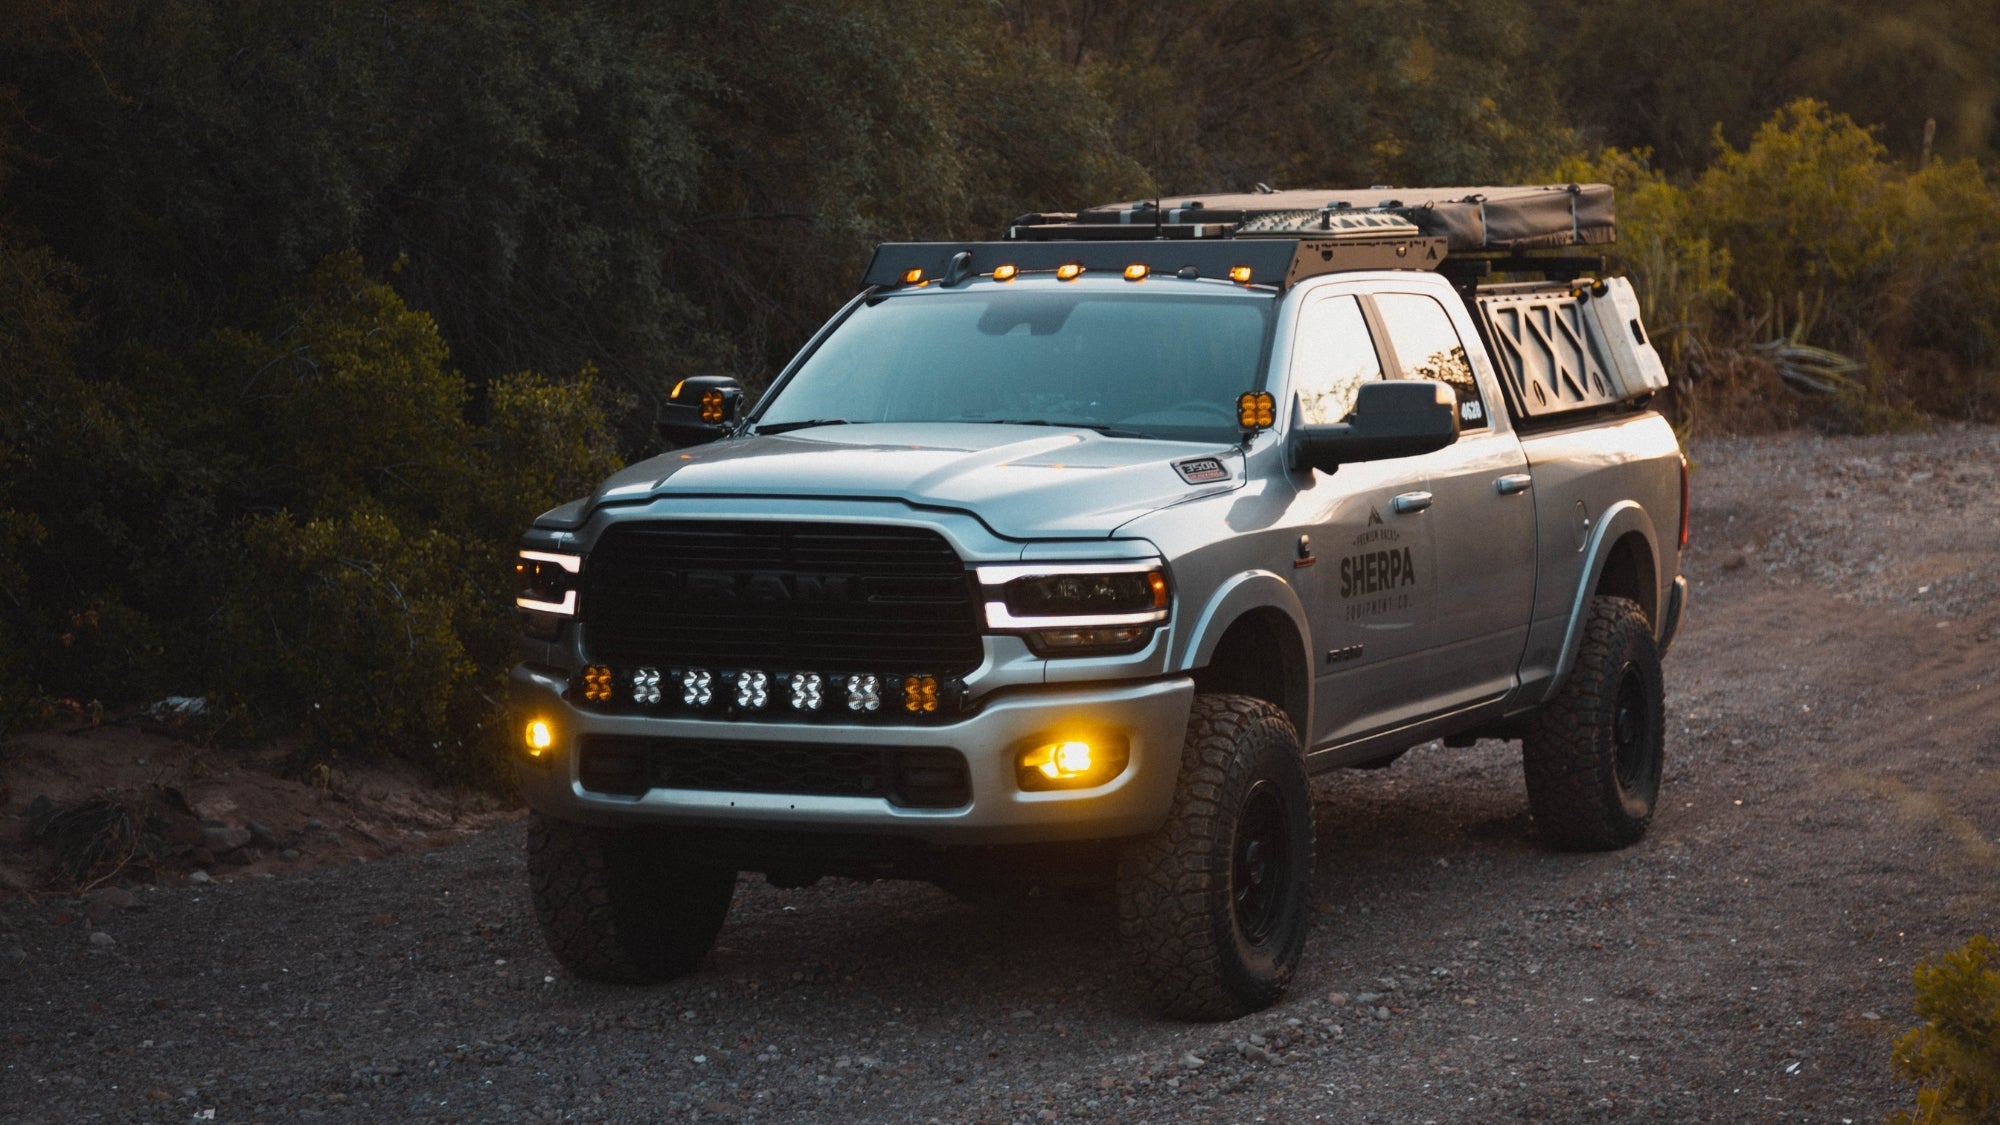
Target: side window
<point>1332,357</point>
<point>1429,348</point>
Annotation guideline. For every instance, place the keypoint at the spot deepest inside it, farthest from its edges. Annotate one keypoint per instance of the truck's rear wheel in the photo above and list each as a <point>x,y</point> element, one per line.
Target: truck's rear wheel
<point>1594,753</point>
<point>1214,905</point>
<point>620,906</point>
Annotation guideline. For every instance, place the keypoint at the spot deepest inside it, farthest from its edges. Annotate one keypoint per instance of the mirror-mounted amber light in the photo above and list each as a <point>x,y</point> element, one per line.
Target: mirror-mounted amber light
<point>1005,273</point>
<point>1256,410</point>
<point>1136,272</point>
<point>1068,271</point>
<point>912,276</point>
<point>712,409</point>
<point>1240,274</point>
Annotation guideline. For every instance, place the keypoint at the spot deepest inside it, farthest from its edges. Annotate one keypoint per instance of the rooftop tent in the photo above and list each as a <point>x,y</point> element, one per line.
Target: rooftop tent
<point>1471,219</point>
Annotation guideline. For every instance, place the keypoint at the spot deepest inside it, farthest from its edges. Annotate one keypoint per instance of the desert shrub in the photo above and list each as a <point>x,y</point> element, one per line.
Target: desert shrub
<point>1954,1056</point>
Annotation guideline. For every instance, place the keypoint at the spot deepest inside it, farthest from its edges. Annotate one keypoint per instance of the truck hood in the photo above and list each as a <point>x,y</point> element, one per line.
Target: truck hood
<point>1023,482</point>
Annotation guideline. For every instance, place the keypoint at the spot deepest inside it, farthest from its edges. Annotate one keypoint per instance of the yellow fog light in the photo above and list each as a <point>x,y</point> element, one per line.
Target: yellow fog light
<point>1072,763</point>
<point>597,684</point>
<point>920,695</point>
<point>539,739</point>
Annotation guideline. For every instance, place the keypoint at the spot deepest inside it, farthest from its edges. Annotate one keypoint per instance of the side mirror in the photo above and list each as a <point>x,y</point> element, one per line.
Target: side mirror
<point>1392,418</point>
<point>700,409</point>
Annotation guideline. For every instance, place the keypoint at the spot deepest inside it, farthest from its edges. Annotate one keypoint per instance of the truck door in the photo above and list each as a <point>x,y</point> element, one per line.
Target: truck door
<point>1368,576</point>
<point>1481,515</point>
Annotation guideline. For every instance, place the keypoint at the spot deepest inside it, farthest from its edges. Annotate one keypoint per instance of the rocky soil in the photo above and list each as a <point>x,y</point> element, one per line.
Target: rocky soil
<point>1830,815</point>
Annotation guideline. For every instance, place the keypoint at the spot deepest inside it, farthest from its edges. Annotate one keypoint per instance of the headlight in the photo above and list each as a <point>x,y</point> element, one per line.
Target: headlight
<point>545,589</point>
<point>1078,609</point>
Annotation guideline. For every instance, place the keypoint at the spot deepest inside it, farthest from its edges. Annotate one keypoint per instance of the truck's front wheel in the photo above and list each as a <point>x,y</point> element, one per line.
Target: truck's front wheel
<point>621,906</point>
<point>1214,904</point>
<point>1593,754</point>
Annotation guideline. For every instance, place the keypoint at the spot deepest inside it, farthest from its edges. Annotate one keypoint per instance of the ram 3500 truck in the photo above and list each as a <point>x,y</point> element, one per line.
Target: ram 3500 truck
<point>1071,557</point>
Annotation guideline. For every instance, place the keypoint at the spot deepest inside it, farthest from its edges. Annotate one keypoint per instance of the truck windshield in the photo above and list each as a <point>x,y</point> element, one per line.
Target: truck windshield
<point>1134,364</point>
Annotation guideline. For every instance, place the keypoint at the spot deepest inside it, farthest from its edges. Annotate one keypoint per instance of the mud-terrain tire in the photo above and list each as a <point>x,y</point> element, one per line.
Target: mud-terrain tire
<point>1214,905</point>
<point>1593,754</point>
<point>620,906</point>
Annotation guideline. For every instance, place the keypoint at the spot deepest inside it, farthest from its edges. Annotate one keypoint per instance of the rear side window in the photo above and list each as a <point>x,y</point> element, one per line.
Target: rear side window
<point>1332,356</point>
<point>1428,347</point>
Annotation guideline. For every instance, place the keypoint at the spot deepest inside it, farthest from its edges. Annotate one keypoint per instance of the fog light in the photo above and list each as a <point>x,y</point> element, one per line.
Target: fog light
<point>539,740</point>
<point>864,693</point>
<point>1072,763</point>
<point>697,687</point>
<point>807,689</point>
<point>597,684</point>
<point>646,685</point>
<point>753,690</point>
<point>920,695</point>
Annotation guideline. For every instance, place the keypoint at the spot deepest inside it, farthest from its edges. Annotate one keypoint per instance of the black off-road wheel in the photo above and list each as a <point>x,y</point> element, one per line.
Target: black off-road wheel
<point>1214,905</point>
<point>620,905</point>
<point>1593,754</point>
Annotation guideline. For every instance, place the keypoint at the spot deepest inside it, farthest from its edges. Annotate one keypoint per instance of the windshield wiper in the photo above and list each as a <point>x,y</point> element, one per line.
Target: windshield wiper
<point>1099,427</point>
<point>786,427</point>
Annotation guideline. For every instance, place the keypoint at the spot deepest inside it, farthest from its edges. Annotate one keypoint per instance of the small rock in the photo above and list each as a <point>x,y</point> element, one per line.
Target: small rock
<point>1023,1014</point>
<point>114,896</point>
<point>1193,1061</point>
<point>314,825</point>
<point>198,877</point>
<point>101,940</point>
<point>1368,999</point>
<point>289,855</point>
<point>13,954</point>
<point>264,837</point>
<point>221,840</point>
<point>1381,1013</point>
<point>1871,1016</point>
<point>1253,1053</point>
<point>1339,999</point>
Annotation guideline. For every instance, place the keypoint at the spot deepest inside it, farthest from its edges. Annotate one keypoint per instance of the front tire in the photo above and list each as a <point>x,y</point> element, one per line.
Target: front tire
<point>1594,753</point>
<point>1214,905</point>
<point>619,905</point>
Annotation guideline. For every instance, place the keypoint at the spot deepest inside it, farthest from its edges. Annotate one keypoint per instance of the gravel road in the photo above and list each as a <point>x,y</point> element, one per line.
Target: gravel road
<point>1830,815</point>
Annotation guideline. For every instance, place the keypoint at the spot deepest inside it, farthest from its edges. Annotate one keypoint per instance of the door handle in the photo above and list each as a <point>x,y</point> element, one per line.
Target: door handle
<point>1512,483</point>
<point>1410,502</point>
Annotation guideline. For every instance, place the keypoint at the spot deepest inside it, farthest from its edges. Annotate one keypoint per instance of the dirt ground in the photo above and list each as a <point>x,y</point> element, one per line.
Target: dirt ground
<point>1831,813</point>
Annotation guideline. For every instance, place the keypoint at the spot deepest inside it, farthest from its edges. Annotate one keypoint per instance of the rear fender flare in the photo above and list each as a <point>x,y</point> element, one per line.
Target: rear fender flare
<point>1618,521</point>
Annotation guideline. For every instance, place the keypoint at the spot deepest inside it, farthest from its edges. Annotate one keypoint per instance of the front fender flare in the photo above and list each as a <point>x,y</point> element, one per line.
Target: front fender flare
<point>1244,593</point>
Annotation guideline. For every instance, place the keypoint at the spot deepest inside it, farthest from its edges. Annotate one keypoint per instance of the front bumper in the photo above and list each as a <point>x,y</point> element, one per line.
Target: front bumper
<point>1151,716</point>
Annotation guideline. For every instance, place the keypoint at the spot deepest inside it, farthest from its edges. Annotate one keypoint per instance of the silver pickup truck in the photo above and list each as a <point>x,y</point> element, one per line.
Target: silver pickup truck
<point>1068,558</point>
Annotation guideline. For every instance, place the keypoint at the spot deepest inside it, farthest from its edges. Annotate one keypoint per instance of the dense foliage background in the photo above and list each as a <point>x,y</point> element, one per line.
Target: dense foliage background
<point>307,308</point>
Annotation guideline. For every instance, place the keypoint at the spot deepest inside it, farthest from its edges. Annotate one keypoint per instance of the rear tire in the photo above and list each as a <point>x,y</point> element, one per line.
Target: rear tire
<point>1594,753</point>
<point>1214,905</point>
<point>620,905</point>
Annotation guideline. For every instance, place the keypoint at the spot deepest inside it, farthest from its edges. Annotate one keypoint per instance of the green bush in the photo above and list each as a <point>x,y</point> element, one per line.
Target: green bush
<point>1954,1057</point>
<point>1808,275</point>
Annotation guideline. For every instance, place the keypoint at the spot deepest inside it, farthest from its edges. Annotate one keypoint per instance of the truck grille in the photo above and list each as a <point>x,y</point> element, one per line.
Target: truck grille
<point>779,596</point>
<point>909,778</point>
